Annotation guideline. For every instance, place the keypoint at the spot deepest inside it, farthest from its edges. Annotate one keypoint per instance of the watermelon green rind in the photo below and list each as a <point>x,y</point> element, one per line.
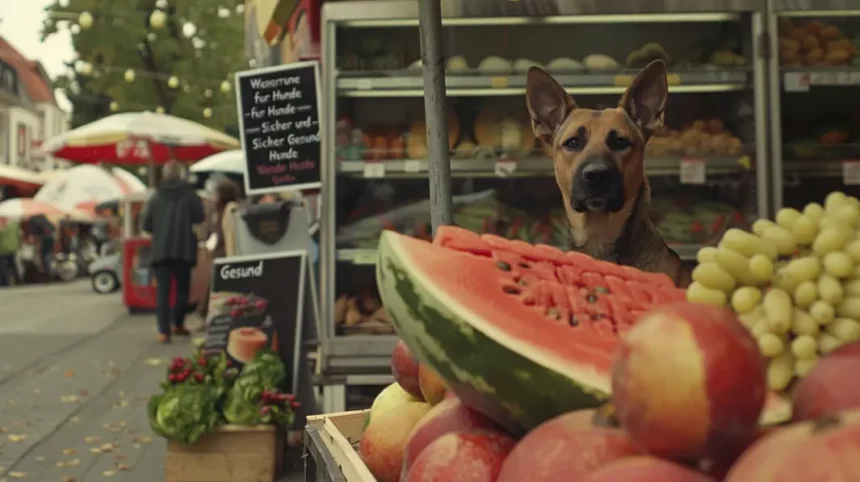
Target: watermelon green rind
<point>483,366</point>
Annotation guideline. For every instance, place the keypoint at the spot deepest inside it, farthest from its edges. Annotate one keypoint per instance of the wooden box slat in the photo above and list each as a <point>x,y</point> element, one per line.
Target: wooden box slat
<point>339,432</point>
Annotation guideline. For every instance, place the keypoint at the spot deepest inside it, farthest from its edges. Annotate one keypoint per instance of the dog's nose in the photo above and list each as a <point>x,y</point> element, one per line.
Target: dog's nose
<point>596,173</point>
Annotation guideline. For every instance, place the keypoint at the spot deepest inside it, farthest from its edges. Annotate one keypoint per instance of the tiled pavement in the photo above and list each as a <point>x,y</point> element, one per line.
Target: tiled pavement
<point>75,374</point>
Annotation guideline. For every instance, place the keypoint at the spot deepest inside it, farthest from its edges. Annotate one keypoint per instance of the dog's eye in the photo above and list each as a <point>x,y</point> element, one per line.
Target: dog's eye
<point>573,144</point>
<point>618,143</point>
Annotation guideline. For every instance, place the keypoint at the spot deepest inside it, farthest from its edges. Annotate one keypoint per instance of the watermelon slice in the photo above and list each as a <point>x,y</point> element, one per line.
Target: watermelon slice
<point>520,332</point>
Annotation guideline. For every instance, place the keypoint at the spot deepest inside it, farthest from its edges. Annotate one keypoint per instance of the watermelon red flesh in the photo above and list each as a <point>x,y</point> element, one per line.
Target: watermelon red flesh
<point>522,333</point>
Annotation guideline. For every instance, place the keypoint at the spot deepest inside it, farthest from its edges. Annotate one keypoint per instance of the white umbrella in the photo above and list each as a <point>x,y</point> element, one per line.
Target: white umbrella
<point>229,162</point>
<point>20,177</point>
<point>23,208</point>
<point>139,138</point>
<point>83,185</point>
<point>128,181</point>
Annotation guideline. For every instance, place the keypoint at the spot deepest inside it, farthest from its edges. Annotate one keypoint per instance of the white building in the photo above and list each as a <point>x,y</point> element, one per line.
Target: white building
<point>29,112</point>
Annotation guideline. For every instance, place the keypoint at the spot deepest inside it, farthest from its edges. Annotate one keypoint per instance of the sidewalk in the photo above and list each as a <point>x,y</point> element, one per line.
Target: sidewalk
<point>75,375</point>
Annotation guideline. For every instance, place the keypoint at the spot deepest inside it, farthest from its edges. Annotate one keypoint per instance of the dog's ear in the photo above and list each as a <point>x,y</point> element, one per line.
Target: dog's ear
<point>645,99</point>
<point>548,103</point>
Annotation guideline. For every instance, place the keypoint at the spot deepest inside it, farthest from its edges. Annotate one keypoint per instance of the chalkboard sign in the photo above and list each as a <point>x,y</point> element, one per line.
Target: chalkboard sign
<point>258,302</point>
<point>280,124</point>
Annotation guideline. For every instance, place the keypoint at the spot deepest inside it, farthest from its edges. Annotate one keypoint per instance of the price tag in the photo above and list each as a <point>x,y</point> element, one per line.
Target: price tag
<point>374,170</point>
<point>851,173</point>
<point>412,165</point>
<point>673,79</point>
<point>693,171</point>
<point>499,82</point>
<point>505,168</point>
<point>796,81</point>
<point>623,80</point>
<point>364,84</point>
<point>364,256</point>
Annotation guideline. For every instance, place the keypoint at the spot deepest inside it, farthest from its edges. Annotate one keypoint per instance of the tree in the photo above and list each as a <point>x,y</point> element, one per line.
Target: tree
<point>179,60</point>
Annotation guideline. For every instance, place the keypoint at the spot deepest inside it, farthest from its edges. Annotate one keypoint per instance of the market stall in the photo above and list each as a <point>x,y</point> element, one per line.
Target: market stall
<point>707,168</point>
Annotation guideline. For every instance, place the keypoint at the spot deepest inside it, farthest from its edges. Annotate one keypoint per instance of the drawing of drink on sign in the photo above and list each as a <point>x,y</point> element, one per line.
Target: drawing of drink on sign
<point>279,118</point>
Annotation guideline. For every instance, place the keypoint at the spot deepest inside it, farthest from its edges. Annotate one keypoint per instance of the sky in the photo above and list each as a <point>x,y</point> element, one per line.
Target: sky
<point>20,25</point>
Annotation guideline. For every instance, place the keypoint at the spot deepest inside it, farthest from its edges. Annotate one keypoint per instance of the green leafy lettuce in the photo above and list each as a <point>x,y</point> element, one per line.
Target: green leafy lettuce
<point>266,372</point>
<point>184,413</point>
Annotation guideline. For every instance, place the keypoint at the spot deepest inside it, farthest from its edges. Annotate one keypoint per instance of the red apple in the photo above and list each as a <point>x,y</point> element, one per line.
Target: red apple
<point>404,367</point>
<point>462,457</point>
<point>645,469</point>
<point>689,381</point>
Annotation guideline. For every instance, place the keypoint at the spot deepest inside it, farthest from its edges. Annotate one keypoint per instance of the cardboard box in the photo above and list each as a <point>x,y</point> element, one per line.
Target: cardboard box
<point>232,454</point>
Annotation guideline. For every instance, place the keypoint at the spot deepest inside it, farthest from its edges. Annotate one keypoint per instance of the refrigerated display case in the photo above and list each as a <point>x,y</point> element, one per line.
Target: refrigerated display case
<point>814,76</point>
<point>706,168</point>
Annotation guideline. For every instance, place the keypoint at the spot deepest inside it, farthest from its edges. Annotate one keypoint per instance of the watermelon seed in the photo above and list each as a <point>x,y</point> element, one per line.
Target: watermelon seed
<point>553,313</point>
<point>524,265</point>
<point>601,290</point>
<point>573,321</point>
<point>511,290</point>
<point>522,282</point>
<point>591,298</point>
<point>503,266</point>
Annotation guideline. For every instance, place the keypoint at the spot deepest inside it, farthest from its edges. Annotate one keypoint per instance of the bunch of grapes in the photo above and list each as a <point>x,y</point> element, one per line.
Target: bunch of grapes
<point>795,283</point>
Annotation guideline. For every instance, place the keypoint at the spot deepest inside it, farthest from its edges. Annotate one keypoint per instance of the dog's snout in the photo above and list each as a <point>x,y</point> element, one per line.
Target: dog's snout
<point>597,172</point>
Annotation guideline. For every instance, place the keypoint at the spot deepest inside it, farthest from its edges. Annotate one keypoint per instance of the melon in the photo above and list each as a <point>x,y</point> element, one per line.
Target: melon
<point>520,332</point>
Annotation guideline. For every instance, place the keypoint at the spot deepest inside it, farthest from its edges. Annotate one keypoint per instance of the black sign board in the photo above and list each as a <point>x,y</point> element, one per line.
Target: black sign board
<point>258,302</point>
<point>280,124</point>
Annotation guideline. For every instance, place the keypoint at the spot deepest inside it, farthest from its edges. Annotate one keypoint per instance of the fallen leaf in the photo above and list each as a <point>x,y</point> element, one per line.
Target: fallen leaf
<point>120,457</point>
<point>107,447</point>
<point>154,362</point>
<point>92,439</point>
<point>115,429</point>
<point>70,451</point>
<point>39,458</point>
<point>74,462</point>
<point>4,429</point>
<point>121,403</point>
<point>69,478</point>
<point>70,374</point>
<point>122,393</point>
<point>109,473</point>
<point>142,439</point>
<point>61,464</point>
<point>75,419</point>
<point>84,393</point>
<point>123,467</point>
<point>69,398</point>
<point>95,450</point>
<point>16,437</point>
<point>18,475</point>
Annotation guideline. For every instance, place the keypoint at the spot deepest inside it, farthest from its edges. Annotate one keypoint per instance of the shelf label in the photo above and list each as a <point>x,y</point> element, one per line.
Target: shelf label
<point>374,170</point>
<point>673,79</point>
<point>851,173</point>
<point>623,80</point>
<point>499,82</point>
<point>365,256</point>
<point>505,168</point>
<point>364,84</point>
<point>796,81</point>
<point>412,165</point>
<point>693,171</point>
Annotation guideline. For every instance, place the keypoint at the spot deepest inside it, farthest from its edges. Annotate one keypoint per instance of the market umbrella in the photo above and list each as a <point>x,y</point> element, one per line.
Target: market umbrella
<point>24,208</point>
<point>85,183</point>
<point>22,179</point>
<point>127,181</point>
<point>228,162</point>
<point>135,138</point>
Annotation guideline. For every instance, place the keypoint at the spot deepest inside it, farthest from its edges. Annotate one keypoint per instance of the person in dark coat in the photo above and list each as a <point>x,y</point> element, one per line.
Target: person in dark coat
<point>171,216</point>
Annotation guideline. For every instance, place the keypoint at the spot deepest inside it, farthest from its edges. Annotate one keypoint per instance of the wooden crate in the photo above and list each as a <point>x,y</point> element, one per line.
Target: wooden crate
<point>233,453</point>
<point>332,440</point>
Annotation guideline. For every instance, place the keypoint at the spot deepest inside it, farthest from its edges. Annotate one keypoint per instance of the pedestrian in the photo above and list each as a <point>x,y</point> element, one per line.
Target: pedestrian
<point>44,232</point>
<point>225,192</point>
<point>171,217</point>
<point>10,242</point>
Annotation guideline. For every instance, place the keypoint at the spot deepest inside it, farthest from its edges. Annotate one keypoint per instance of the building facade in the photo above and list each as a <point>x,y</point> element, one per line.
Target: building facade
<point>29,112</point>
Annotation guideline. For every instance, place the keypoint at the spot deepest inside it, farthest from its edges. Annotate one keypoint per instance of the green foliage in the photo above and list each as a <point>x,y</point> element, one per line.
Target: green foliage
<point>121,38</point>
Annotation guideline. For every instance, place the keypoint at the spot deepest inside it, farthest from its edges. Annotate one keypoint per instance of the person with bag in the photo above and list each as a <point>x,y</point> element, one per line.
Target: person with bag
<point>171,216</point>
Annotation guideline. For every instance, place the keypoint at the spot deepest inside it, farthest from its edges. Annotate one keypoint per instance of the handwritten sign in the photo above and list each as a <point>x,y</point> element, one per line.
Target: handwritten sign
<point>279,118</point>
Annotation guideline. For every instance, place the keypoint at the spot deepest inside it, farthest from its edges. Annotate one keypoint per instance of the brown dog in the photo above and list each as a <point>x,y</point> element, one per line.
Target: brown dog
<point>599,166</point>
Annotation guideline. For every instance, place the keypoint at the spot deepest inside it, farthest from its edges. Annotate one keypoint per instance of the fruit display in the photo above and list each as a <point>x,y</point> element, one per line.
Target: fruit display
<point>681,221</point>
<point>361,314</point>
<point>553,317</point>
<point>815,44</point>
<point>794,282</point>
<point>689,386</point>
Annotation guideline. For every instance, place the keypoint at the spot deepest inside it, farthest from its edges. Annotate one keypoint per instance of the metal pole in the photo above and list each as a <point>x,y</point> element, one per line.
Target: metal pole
<point>438,155</point>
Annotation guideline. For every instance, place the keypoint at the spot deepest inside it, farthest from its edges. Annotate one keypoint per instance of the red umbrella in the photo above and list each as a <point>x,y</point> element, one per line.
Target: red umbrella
<point>25,181</point>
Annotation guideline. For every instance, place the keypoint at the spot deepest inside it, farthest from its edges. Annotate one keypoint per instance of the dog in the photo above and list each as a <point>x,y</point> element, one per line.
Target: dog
<point>598,159</point>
